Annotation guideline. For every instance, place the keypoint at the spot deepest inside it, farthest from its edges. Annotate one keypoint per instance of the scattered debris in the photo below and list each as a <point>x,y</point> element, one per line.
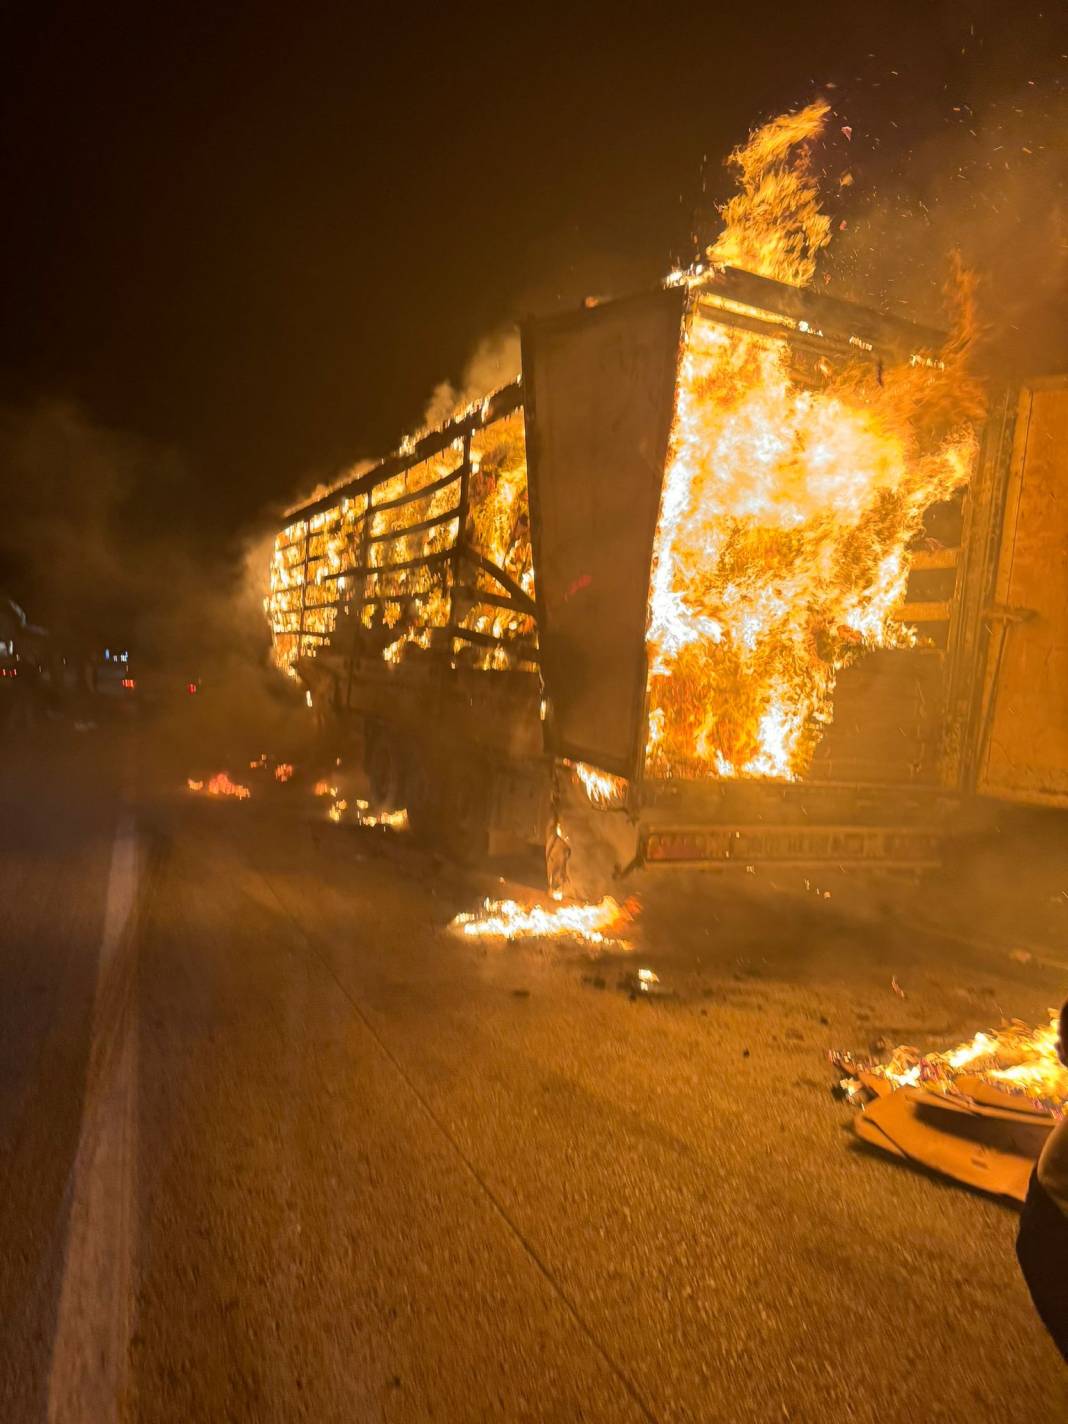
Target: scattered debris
<point>642,982</point>
<point>897,988</point>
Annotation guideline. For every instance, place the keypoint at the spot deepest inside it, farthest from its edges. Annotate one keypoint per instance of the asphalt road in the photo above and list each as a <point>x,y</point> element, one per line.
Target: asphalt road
<point>275,1145</point>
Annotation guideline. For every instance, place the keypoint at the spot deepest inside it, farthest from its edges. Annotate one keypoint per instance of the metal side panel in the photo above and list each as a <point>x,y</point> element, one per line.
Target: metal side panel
<point>1023,734</point>
<point>599,398</point>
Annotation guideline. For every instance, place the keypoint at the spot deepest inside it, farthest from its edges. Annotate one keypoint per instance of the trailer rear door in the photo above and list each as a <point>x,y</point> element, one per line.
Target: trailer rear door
<point>1023,740</point>
<point>599,390</point>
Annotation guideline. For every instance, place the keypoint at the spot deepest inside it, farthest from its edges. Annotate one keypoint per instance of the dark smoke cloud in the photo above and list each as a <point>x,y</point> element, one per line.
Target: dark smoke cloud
<point>93,544</point>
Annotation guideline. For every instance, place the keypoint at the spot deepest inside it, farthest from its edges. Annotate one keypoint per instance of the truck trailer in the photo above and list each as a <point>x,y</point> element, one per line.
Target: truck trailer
<point>551,621</point>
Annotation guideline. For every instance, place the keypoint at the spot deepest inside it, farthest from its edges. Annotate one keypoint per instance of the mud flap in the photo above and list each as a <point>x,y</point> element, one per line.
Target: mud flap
<point>588,849</point>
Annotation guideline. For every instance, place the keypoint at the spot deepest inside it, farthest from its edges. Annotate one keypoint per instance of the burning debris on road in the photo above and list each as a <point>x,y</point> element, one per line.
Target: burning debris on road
<point>599,925</point>
<point>220,785</point>
<point>979,1112</point>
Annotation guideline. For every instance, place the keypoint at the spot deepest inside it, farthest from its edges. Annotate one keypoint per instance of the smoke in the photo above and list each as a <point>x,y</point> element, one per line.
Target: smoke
<point>98,546</point>
<point>69,542</point>
<point>494,363</point>
<point>990,181</point>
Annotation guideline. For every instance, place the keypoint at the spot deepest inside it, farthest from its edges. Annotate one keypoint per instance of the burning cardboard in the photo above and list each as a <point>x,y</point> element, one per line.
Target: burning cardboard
<point>979,1113</point>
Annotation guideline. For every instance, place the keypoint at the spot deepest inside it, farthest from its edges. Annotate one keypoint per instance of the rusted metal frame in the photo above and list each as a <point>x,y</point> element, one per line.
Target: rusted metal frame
<point>432,523</point>
<point>924,560</point>
<point>930,612</point>
<point>829,314</point>
<point>809,341</point>
<point>411,496</point>
<point>521,600</point>
<point>970,636</point>
<point>303,587</point>
<point>527,651</point>
<point>503,402</point>
<point>440,556</point>
<point>365,534</point>
<point>456,552</point>
<point>498,600</point>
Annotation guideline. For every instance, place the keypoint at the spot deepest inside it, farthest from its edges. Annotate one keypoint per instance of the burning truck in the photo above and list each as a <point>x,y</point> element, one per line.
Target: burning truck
<point>736,575</point>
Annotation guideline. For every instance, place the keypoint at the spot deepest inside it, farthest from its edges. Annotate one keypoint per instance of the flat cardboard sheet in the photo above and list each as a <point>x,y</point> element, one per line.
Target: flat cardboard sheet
<point>984,1152</point>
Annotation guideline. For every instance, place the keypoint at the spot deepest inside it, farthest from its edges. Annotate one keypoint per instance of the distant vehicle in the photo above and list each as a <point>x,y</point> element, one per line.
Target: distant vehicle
<point>112,677</point>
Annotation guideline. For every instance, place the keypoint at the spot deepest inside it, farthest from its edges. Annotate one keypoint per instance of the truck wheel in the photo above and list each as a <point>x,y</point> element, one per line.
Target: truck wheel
<point>466,829</point>
<point>384,764</point>
<point>424,799</point>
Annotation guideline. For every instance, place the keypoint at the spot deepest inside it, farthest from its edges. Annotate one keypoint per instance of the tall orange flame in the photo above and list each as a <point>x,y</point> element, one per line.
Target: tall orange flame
<point>789,501</point>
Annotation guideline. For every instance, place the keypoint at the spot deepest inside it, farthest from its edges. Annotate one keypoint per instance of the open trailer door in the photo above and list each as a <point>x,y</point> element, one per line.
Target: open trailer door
<point>1023,734</point>
<point>599,389</point>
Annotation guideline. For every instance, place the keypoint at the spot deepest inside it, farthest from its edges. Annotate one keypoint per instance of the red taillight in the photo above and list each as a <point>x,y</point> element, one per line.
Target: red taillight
<point>191,687</point>
<point>129,683</point>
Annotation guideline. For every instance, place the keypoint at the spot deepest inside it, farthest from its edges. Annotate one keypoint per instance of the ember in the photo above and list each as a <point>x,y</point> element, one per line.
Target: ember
<point>595,924</point>
<point>221,785</point>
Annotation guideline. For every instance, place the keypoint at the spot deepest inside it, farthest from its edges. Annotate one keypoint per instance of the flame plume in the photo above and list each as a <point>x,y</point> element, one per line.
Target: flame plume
<point>789,501</point>
<point>774,226</point>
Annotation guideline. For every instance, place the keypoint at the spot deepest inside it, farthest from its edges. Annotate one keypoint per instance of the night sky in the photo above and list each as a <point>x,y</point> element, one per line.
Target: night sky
<point>252,238</point>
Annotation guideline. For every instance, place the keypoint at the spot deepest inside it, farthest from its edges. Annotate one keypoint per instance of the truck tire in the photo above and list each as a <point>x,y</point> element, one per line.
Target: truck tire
<point>424,799</point>
<point>448,805</point>
<point>467,813</point>
<point>384,764</point>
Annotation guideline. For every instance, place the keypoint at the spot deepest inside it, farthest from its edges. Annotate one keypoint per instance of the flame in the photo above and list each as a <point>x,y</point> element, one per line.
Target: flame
<point>1015,1057</point>
<point>323,788</point>
<point>789,501</point>
<point>359,560</point>
<point>593,924</point>
<point>392,820</point>
<point>603,789</point>
<point>283,771</point>
<point>774,226</point>
<point>221,785</point>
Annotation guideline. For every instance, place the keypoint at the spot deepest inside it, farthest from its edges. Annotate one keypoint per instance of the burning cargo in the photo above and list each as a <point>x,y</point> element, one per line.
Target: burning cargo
<point>781,593</point>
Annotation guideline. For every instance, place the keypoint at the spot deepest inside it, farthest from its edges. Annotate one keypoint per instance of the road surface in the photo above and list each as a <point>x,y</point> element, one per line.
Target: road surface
<point>275,1145</point>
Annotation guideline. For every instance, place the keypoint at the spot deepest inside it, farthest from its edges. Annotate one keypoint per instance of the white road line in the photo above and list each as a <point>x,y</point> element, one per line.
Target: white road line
<point>89,1350</point>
